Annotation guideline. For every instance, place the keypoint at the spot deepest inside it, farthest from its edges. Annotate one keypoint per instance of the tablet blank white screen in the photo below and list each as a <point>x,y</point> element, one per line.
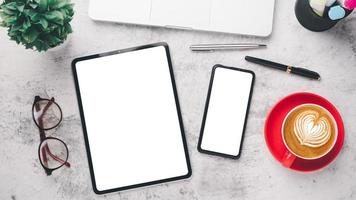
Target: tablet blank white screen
<point>227,110</point>
<point>131,118</point>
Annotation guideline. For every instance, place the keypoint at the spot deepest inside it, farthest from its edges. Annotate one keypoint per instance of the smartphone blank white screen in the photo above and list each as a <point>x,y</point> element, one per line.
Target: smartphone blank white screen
<point>131,118</point>
<point>226,113</point>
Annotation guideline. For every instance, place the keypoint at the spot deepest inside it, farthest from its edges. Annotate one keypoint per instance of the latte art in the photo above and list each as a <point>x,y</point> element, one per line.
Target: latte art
<point>312,129</point>
<point>309,131</point>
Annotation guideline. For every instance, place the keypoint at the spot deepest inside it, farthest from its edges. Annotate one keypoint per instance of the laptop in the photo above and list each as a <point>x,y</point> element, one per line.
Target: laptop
<point>247,17</point>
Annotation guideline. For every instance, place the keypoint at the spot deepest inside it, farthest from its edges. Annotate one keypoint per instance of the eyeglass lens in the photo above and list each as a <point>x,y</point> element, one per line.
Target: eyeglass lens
<point>47,114</point>
<point>53,153</point>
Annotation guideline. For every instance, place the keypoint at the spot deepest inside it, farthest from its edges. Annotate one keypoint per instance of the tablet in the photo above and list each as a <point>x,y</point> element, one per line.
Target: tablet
<point>131,118</point>
<point>226,111</point>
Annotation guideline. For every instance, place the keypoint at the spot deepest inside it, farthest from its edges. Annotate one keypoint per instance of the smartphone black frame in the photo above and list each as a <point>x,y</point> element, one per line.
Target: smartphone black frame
<point>207,108</point>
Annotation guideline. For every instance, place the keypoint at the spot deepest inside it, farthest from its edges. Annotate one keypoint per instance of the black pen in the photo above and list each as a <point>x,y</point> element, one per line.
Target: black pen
<point>289,69</point>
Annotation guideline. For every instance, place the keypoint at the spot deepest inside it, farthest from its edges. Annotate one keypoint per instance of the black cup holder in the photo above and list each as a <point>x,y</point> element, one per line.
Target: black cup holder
<point>310,20</point>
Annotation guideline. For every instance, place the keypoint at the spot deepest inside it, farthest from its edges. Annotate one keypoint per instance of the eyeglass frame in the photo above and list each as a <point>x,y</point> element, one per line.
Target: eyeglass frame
<point>43,136</point>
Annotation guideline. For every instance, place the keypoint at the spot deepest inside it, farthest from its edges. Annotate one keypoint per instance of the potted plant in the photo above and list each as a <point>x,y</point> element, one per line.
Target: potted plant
<point>37,24</point>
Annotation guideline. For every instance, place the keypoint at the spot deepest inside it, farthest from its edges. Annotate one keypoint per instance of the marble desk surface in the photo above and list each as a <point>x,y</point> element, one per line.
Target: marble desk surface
<point>256,175</point>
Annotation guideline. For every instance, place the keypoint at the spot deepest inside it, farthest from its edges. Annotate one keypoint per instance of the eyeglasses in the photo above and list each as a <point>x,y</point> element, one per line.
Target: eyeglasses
<point>52,152</point>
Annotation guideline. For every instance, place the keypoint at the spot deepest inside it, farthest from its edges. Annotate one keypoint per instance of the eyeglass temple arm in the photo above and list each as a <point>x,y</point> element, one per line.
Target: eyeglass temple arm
<point>46,149</point>
<point>45,108</point>
<point>40,118</point>
<point>42,134</point>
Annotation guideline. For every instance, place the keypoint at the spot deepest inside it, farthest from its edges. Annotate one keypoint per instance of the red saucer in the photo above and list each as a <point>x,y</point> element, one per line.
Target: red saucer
<point>273,127</point>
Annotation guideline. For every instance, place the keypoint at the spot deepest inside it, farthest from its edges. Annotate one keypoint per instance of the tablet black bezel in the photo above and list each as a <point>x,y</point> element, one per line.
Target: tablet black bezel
<point>207,108</point>
<point>81,111</point>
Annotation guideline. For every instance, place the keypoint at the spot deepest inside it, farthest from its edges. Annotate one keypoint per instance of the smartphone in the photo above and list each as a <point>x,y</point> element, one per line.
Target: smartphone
<point>226,110</point>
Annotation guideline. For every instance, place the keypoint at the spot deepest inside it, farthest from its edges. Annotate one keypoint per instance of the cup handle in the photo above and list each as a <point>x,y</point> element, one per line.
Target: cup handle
<point>288,159</point>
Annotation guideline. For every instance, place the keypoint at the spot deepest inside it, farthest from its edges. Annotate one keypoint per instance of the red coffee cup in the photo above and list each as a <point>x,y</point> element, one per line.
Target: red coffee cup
<point>274,138</point>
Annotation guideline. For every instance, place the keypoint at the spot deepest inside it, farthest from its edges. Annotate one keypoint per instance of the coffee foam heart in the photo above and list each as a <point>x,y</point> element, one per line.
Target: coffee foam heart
<point>312,129</point>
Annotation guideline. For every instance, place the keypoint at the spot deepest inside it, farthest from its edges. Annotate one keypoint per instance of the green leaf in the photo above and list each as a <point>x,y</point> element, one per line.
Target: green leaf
<point>8,11</point>
<point>26,11</point>
<point>30,36</point>
<point>61,4</point>
<point>25,25</point>
<point>43,5</point>
<point>43,23</point>
<point>58,31</point>
<point>68,28</point>
<point>33,5</point>
<point>55,16</point>
<point>2,14</point>
<point>20,7</point>
<point>50,28</point>
<point>64,13</point>
<point>52,40</point>
<point>13,33</point>
<point>51,3</point>
<point>11,6</point>
<point>17,39</point>
<point>69,9</point>
<point>34,16</point>
<point>41,45</point>
<point>10,20</point>
<point>16,27</point>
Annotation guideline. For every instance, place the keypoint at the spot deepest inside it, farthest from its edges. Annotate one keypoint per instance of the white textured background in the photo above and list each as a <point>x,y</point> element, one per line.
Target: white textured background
<point>256,175</point>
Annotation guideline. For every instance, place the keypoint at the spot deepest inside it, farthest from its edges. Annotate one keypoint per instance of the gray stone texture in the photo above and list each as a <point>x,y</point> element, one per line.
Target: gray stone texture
<point>256,175</point>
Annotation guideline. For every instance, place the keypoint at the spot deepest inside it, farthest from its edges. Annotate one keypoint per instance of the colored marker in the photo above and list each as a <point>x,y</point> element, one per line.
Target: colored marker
<point>350,4</point>
<point>318,6</point>
<point>336,13</point>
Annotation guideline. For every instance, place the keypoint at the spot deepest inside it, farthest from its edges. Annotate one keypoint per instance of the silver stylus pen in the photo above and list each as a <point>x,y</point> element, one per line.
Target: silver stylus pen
<point>213,47</point>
